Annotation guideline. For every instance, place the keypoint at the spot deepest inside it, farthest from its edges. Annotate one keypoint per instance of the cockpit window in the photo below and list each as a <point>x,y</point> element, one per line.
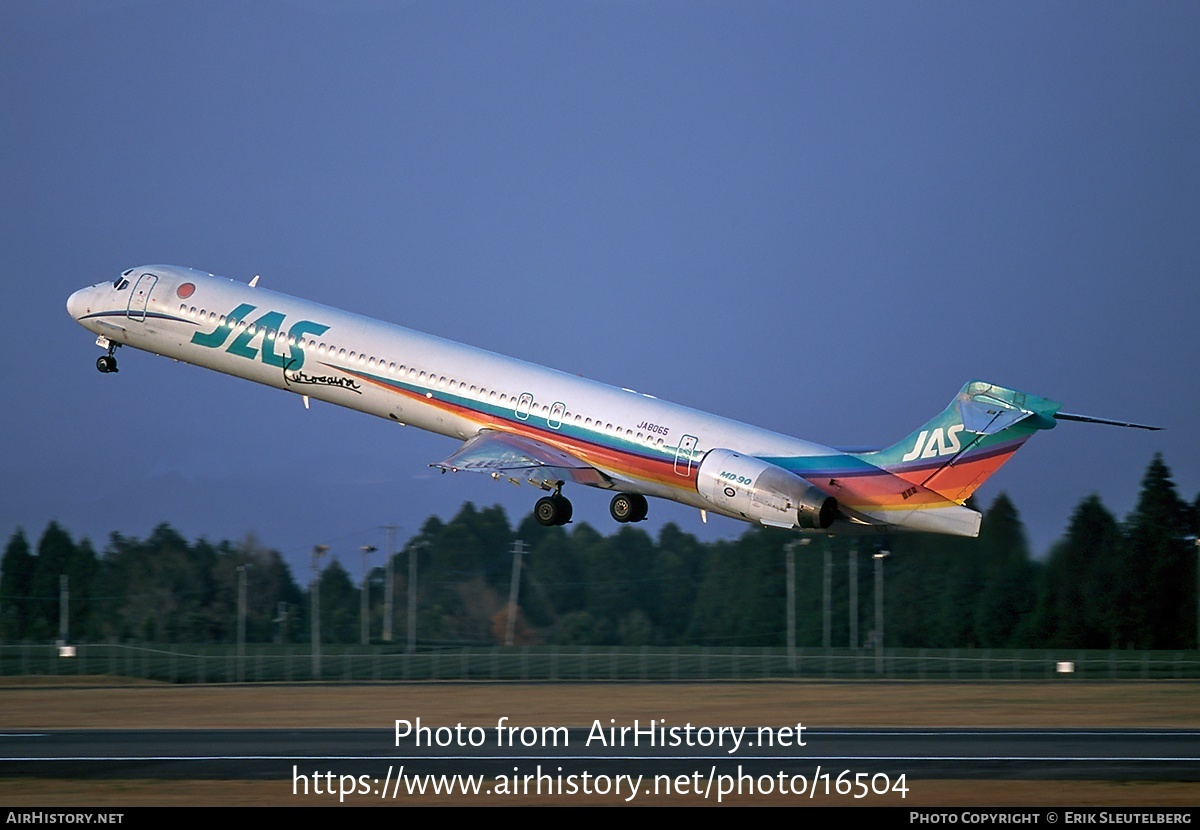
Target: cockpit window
<point>121,283</point>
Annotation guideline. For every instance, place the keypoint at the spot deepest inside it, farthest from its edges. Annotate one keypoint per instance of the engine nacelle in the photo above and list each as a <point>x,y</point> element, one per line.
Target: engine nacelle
<point>762,492</point>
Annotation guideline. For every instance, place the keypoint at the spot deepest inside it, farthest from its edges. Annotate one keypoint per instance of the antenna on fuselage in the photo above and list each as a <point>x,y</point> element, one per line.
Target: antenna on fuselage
<point>254,281</point>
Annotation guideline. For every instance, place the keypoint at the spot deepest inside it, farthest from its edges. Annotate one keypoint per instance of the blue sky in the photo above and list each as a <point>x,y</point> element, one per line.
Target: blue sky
<point>821,218</point>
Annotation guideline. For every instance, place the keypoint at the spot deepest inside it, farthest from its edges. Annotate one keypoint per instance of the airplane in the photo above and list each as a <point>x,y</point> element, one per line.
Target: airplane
<point>523,422</point>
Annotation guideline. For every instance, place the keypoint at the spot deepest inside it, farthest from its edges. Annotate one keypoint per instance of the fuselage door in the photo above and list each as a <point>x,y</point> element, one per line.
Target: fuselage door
<point>139,297</point>
<point>683,455</point>
<point>554,421</point>
<point>524,404</point>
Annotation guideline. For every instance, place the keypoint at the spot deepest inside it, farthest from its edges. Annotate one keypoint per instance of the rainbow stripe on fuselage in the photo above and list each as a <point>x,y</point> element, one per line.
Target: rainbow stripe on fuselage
<point>640,443</point>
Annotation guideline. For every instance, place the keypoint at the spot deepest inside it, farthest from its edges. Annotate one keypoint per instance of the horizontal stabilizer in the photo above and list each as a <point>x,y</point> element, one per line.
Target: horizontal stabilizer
<point>1088,419</point>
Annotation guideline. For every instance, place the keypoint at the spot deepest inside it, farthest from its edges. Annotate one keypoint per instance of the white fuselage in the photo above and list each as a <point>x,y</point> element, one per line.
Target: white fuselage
<point>644,445</point>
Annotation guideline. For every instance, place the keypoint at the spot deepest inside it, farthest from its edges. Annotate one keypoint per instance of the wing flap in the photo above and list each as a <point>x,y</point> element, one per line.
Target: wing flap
<point>505,454</point>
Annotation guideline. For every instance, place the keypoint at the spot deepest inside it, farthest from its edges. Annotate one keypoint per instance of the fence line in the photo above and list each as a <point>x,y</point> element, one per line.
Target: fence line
<point>221,664</point>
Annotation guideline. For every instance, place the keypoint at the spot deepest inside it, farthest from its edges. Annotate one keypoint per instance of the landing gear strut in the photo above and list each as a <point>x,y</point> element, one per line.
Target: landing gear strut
<point>628,507</point>
<point>107,363</point>
<point>553,510</point>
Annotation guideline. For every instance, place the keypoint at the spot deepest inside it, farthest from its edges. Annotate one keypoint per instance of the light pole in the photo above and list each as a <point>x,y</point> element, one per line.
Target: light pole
<point>389,588</point>
<point>413,547</point>
<point>281,616</point>
<point>790,551</point>
<point>513,591</point>
<point>64,605</point>
<point>853,563</point>
<point>241,625</point>
<point>879,557</point>
<point>317,552</point>
<point>827,601</point>
<point>364,603</point>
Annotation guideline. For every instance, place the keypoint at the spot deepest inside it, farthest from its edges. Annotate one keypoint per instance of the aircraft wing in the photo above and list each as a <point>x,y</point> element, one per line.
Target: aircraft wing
<point>505,454</point>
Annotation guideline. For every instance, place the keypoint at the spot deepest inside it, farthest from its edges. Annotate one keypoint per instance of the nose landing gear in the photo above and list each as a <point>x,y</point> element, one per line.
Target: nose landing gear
<point>106,363</point>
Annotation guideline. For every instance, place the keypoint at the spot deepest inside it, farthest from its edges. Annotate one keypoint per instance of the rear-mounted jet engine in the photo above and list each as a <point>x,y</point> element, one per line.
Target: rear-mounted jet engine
<point>762,492</point>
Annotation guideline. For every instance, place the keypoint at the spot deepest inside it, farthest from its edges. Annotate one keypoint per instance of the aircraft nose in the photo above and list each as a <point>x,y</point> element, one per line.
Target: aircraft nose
<point>77,303</point>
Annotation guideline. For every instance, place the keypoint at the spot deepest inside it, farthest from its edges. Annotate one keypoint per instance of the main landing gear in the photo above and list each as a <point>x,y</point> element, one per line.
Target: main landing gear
<point>554,509</point>
<point>628,507</point>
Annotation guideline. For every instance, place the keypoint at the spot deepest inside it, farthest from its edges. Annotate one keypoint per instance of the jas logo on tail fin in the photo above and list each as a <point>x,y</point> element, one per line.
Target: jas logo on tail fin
<point>935,443</point>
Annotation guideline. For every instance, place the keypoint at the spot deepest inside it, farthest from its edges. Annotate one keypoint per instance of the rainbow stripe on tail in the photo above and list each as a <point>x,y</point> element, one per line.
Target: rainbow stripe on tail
<point>970,439</point>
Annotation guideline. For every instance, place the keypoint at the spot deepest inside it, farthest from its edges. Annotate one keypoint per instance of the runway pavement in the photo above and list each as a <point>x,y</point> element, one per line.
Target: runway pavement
<point>658,749</point>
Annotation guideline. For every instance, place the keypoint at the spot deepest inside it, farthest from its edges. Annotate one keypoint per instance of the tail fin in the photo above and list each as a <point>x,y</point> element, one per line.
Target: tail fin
<point>967,441</point>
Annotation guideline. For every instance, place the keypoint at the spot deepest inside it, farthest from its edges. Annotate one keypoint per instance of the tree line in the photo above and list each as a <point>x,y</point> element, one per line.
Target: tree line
<point>1105,584</point>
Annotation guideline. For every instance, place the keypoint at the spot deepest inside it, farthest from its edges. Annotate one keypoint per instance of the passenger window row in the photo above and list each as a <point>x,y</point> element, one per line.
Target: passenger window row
<point>425,378</point>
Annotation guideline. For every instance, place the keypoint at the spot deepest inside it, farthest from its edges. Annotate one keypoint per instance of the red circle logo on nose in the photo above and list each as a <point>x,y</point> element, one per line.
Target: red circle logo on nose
<point>184,291</point>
